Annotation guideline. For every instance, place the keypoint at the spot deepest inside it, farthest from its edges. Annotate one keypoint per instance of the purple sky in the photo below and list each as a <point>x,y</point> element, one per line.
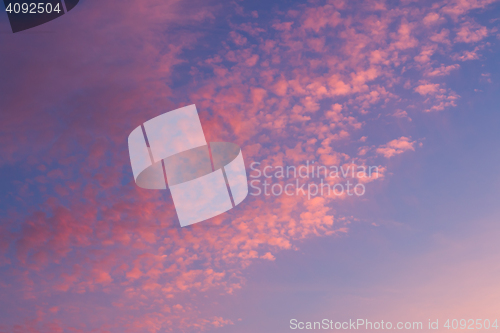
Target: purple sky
<point>410,87</point>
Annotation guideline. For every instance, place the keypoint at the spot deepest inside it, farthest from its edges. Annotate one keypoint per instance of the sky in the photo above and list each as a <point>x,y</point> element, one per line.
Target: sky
<point>408,87</point>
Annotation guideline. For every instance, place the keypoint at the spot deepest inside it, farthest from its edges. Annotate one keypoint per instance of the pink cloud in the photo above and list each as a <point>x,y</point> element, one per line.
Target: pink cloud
<point>431,18</point>
<point>403,39</point>
<point>320,17</point>
<point>401,114</point>
<point>427,88</point>
<point>471,32</point>
<point>442,70</point>
<point>425,54</point>
<point>467,55</point>
<point>396,147</point>
<point>456,8</point>
<point>441,37</point>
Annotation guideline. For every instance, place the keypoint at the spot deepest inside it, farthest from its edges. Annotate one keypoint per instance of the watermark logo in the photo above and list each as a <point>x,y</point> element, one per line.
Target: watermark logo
<point>205,179</point>
<point>311,179</point>
<point>27,14</point>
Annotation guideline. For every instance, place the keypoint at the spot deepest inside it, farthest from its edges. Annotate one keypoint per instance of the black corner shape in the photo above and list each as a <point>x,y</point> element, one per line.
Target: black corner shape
<point>70,4</point>
<point>26,14</point>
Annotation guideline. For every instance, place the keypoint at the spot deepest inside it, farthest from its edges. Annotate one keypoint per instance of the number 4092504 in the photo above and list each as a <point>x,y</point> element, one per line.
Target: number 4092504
<point>471,324</point>
<point>32,8</point>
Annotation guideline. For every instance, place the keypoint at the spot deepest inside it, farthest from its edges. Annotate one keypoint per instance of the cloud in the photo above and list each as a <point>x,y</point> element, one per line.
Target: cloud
<point>320,17</point>
<point>401,114</point>
<point>471,32</point>
<point>467,55</point>
<point>396,147</point>
<point>431,18</point>
<point>403,38</point>
<point>441,37</point>
<point>427,88</point>
<point>442,70</point>
<point>425,54</point>
<point>457,8</point>
<point>439,97</point>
